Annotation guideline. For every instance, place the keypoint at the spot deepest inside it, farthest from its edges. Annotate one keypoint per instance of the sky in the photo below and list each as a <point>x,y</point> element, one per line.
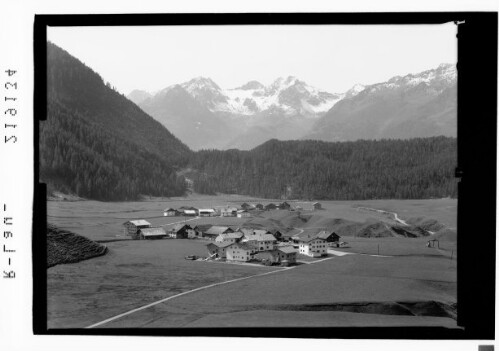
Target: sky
<point>332,58</point>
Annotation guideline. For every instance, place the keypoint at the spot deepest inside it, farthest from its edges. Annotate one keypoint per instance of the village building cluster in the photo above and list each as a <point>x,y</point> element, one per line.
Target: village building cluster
<point>239,244</point>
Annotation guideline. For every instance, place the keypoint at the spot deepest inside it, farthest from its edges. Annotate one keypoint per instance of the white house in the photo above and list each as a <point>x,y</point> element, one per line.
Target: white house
<point>241,252</point>
<point>228,212</point>
<point>312,246</point>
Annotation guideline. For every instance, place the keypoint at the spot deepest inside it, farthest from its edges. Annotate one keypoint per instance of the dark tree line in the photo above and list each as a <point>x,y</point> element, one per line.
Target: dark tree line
<point>415,168</point>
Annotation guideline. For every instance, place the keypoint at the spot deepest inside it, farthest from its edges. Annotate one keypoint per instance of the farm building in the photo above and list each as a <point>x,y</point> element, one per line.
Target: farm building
<point>242,252</point>
<point>317,206</point>
<point>270,206</point>
<point>207,212</point>
<point>228,212</point>
<point>259,207</point>
<point>243,214</point>
<point>131,228</point>
<point>271,256</point>
<point>261,242</point>
<point>260,231</point>
<point>152,233</point>
<point>287,253</point>
<point>201,228</point>
<point>188,211</point>
<point>312,246</point>
<point>216,230</point>
<point>182,231</point>
<point>330,237</point>
<point>218,249</point>
<point>170,212</point>
<point>230,237</point>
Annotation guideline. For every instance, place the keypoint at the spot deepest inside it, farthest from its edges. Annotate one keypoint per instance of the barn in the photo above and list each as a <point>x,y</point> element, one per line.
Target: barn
<point>243,214</point>
<point>216,230</point>
<point>207,212</point>
<point>317,206</point>
<point>131,228</point>
<point>152,233</point>
<point>182,231</point>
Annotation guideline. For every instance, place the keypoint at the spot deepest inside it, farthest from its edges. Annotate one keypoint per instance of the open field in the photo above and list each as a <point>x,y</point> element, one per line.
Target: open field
<point>136,273</point>
<point>132,274</point>
<point>338,281</point>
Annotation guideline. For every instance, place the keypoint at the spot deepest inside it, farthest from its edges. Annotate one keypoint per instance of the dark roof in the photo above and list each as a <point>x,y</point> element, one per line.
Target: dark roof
<point>177,227</point>
<point>236,235</point>
<point>326,234</point>
<point>217,230</point>
<point>203,227</point>
<point>170,209</point>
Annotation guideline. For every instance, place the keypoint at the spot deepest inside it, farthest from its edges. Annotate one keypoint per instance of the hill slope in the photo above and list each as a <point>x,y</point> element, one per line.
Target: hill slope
<point>98,144</point>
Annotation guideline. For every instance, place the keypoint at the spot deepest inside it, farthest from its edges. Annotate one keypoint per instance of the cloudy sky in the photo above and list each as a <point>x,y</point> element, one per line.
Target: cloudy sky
<point>330,57</point>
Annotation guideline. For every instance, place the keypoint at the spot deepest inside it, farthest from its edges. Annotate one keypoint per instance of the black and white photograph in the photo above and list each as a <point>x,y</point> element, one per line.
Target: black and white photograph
<point>211,175</point>
<point>251,176</point>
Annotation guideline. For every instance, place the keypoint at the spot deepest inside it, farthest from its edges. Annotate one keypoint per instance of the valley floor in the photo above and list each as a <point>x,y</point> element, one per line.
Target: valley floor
<point>327,293</point>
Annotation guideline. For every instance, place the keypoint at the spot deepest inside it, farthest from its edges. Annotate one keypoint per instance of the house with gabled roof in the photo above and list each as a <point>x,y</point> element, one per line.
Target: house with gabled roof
<point>261,242</point>
<point>313,246</point>
<point>245,206</point>
<point>152,233</point>
<point>216,230</point>
<point>241,252</point>
<point>218,249</point>
<point>228,212</point>
<point>269,207</point>
<point>243,214</point>
<point>182,231</point>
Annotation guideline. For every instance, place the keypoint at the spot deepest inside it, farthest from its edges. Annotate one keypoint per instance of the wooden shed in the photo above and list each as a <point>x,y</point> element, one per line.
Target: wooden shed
<point>152,233</point>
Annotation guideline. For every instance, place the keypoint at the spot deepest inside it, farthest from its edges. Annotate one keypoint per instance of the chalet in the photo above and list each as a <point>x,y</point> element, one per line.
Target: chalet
<point>284,206</point>
<point>131,228</point>
<point>329,237</point>
<point>259,207</point>
<point>230,237</point>
<point>243,214</point>
<point>312,246</point>
<point>287,253</point>
<point>207,212</point>
<point>182,231</point>
<point>241,252</point>
<point>270,206</point>
<point>216,230</point>
<point>218,249</point>
<point>317,206</point>
<point>152,233</point>
<point>262,242</point>
<point>170,212</point>
<point>228,212</point>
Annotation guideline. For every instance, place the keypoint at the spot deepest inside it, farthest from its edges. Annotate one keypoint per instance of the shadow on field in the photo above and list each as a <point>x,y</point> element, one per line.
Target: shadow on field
<point>406,308</point>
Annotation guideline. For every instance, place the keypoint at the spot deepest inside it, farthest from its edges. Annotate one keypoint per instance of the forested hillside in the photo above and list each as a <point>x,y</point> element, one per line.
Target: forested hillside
<point>98,144</point>
<point>410,169</point>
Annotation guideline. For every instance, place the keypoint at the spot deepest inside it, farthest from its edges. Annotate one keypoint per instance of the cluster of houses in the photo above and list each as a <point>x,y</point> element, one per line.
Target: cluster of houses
<point>242,244</point>
<point>245,210</point>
